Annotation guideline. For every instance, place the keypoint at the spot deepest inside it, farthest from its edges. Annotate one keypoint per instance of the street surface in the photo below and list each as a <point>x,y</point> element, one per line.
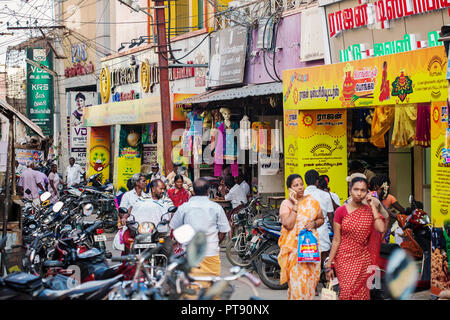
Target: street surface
<point>243,291</point>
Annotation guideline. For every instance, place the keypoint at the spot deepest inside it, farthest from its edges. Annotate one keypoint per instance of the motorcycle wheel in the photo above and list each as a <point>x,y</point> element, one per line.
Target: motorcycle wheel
<point>270,275</point>
<point>235,256</point>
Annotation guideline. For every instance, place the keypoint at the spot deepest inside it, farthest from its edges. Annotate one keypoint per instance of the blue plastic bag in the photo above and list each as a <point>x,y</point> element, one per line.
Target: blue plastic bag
<point>308,247</point>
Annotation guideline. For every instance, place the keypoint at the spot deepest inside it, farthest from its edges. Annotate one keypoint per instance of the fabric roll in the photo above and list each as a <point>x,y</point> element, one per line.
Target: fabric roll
<point>423,129</point>
<point>404,126</point>
<point>383,118</point>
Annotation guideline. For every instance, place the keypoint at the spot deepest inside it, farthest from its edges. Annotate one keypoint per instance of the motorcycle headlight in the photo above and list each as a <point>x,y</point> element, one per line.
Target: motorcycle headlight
<point>88,209</point>
<point>146,227</point>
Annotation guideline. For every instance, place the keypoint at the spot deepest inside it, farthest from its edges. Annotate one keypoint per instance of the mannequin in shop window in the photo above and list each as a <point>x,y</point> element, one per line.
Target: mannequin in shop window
<point>226,148</point>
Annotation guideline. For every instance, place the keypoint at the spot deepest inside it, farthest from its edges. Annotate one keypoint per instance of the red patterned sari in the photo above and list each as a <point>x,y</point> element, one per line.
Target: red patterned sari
<point>357,252</point>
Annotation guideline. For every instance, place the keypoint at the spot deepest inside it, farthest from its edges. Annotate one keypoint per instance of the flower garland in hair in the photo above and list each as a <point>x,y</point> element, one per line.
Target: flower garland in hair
<point>385,188</point>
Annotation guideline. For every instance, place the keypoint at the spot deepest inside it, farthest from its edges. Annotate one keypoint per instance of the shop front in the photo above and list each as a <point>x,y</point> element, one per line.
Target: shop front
<point>243,103</point>
<point>124,132</point>
<point>365,111</point>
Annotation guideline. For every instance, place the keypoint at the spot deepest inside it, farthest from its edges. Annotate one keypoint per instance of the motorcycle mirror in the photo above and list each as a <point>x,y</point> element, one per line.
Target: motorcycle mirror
<point>88,209</point>
<point>172,209</point>
<point>45,196</point>
<point>184,234</point>
<point>58,206</point>
<point>195,250</point>
<point>401,275</point>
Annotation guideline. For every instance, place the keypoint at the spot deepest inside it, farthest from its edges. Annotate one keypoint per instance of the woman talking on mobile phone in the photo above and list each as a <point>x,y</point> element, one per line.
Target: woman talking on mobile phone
<point>356,236</point>
<point>297,213</point>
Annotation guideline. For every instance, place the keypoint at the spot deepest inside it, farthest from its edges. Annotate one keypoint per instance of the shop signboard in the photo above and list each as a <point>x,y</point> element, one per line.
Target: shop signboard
<point>129,161</point>
<point>440,197</point>
<point>410,77</point>
<point>99,141</point>
<point>317,139</point>
<point>178,113</point>
<point>144,110</point>
<point>24,155</point>
<point>77,102</point>
<point>40,90</point>
<point>227,56</point>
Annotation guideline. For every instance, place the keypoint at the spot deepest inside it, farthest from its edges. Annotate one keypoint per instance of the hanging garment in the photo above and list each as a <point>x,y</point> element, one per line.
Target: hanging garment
<point>404,126</point>
<point>423,129</point>
<point>362,119</point>
<point>244,133</point>
<point>230,143</point>
<point>383,118</point>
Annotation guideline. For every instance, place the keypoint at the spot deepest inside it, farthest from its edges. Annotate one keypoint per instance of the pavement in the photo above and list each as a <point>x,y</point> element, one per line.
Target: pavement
<point>243,291</point>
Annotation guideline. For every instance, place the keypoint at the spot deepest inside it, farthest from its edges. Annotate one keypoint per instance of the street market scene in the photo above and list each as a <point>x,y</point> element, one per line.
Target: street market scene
<point>224,150</point>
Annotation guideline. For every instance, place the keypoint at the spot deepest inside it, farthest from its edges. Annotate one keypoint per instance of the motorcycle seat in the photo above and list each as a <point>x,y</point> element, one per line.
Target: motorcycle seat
<point>89,254</point>
<point>272,225</point>
<point>22,281</point>
<point>53,264</point>
<point>82,289</point>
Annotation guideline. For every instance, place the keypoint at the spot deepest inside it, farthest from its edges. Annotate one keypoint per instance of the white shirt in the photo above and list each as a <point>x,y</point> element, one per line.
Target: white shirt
<point>236,195</point>
<point>129,199</point>
<point>244,185</point>
<point>149,210</point>
<point>19,169</point>
<point>203,215</point>
<point>327,206</point>
<point>335,198</point>
<point>74,174</point>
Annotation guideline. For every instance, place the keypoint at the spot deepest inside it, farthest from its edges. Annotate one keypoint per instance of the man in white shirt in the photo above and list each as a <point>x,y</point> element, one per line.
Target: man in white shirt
<point>312,180</point>
<point>236,194</point>
<point>74,173</point>
<point>207,216</point>
<point>132,196</point>
<point>243,184</point>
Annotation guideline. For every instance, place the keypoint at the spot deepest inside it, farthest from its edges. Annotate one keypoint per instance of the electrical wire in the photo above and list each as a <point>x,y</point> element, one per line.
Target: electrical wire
<point>274,46</point>
<point>264,47</point>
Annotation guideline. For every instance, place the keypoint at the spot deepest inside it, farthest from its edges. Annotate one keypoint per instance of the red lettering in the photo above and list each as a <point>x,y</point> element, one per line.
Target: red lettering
<point>348,19</point>
<point>431,6</point>
<point>390,9</point>
<point>399,9</point>
<point>331,26</point>
<point>405,7</point>
<point>361,15</point>
<point>339,24</point>
<point>380,13</point>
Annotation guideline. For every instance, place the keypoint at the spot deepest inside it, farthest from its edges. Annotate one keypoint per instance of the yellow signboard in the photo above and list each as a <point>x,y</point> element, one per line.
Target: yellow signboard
<point>98,152</point>
<point>410,77</point>
<point>145,110</point>
<point>317,140</point>
<point>440,164</point>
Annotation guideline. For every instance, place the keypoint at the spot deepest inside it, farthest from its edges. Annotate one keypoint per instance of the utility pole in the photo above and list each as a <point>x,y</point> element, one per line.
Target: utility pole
<point>163,76</point>
<point>164,84</point>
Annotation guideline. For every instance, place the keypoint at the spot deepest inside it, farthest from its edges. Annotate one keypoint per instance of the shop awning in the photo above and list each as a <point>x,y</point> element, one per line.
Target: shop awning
<point>236,93</point>
<point>8,110</point>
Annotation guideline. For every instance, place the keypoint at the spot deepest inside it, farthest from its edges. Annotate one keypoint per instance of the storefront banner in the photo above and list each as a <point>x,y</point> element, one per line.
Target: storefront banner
<point>99,141</point>
<point>144,110</point>
<point>177,111</point>
<point>410,77</point>
<point>24,155</point>
<point>40,90</point>
<point>318,140</point>
<point>440,197</point>
<point>150,153</point>
<point>76,102</point>
<point>129,161</point>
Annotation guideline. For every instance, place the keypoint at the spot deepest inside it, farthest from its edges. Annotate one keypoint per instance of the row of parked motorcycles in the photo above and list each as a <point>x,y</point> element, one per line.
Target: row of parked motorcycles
<point>65,255</point>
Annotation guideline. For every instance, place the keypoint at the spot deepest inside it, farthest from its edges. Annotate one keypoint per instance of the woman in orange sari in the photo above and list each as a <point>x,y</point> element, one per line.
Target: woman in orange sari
<point>354,247</point>
<point>297,213</point>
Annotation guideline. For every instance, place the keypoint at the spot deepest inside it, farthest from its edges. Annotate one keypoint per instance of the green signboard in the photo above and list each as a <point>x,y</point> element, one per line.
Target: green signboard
<point>40,90</point>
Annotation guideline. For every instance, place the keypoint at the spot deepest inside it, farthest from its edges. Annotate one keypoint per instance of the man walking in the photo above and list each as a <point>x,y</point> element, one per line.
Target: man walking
<point>312,181</point>
<point>74,173</point>
<point>30,183</point>
<point>207,216</point>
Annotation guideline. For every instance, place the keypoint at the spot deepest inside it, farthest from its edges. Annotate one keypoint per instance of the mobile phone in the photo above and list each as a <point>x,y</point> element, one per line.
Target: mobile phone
<point>374,194</point>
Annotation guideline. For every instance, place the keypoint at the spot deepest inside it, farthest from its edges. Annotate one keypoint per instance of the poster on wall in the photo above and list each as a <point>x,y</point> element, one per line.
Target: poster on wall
<point>24,155</point>
<point>129,161</point>
<point>77,101</point>
<point>40,90</point>
<point>440,198</point>
<point>410,77</point>
<point>318,140</point>
<point>98,153</point>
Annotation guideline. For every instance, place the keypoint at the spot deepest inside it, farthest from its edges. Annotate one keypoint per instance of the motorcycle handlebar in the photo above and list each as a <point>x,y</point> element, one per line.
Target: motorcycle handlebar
<point>93,227</point>
<point>130,257</point>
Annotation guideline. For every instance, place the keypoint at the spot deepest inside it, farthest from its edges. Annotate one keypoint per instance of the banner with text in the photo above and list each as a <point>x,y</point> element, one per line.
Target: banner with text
<point>40,90</point>
<point>440,197</point>
<point>318,140</point>
<point>76,102</point>
<point>129,161</point>
<point>410,77</point>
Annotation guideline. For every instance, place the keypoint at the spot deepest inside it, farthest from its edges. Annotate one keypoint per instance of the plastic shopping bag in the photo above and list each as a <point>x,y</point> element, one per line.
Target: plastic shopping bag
<point>308,247</point>
<point>118,240</point>
<point>328,293</point>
